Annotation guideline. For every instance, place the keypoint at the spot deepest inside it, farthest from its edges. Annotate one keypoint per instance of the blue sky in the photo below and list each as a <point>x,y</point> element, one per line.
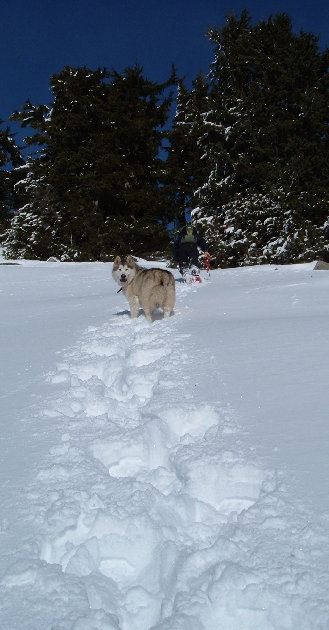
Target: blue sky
<point>38,38</point>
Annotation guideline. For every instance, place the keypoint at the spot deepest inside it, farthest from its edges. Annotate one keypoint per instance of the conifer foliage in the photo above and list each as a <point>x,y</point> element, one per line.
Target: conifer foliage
<point>247,156</point>
<point>265,143</point>
<point>10,157</point>
<point>94,186</point>
<point>184,166</point>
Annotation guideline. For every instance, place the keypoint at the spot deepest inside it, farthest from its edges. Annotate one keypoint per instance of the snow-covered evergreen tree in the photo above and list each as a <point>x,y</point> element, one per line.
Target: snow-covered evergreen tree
<point>266,194</point>
<point>10,157</point>
<point>94,183</point>
<point>184,166</point>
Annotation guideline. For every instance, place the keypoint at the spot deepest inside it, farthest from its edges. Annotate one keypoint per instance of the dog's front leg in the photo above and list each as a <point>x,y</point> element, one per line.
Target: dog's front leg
<point>134,306</point>
<point>148,315</point>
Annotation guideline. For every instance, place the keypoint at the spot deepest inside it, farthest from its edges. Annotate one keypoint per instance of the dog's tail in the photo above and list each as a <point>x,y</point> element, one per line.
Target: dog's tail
<point>164,278</point>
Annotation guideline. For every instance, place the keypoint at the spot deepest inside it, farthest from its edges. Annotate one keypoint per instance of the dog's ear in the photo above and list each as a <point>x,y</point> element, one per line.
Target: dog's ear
<point>117,261</point>
<point>130,261</point>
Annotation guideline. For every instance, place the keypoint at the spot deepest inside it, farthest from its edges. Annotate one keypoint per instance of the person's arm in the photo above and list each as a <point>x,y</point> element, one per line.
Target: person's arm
<point>202,244</point>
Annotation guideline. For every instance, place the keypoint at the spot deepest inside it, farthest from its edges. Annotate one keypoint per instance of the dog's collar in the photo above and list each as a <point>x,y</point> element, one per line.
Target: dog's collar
<point>120,290</point>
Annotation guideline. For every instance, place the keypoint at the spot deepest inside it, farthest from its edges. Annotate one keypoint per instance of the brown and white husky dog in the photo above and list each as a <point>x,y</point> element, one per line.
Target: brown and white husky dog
<point>149,288</point>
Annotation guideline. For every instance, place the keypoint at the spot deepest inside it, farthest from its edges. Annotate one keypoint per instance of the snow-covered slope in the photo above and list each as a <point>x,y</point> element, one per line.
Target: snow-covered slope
<point>171,476</point>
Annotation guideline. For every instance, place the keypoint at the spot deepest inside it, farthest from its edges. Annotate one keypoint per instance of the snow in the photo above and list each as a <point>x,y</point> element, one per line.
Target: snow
<point>171,476</point>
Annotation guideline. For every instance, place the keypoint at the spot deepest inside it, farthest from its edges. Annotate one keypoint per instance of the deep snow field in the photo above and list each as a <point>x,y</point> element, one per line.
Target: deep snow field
<point>172,476</point>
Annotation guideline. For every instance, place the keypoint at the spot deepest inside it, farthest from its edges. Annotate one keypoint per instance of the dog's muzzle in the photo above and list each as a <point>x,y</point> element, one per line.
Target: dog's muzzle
<point>123,279</point>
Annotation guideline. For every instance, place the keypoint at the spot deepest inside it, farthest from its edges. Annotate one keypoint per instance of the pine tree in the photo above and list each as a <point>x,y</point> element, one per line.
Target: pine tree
<point>10,157</point>
<point>32,229</point>
<point>132,196</point>
<point>266,195</point>
<point>95,184</point>
<point>184,164</point>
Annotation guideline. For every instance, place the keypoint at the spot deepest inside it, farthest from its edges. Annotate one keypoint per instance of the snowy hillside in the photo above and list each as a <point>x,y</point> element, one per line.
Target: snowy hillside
<point>171,476</point>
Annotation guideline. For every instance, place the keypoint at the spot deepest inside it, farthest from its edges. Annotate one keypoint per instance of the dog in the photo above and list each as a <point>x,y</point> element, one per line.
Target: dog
<point>149,288</point>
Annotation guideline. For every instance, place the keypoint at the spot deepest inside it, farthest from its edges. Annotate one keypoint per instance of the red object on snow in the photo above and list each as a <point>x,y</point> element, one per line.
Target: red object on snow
<point>207,262</point>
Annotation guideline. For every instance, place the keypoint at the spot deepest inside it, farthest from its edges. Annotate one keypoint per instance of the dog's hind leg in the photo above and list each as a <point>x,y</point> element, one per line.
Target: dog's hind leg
<point>166,311</point>
<point>169,302</point>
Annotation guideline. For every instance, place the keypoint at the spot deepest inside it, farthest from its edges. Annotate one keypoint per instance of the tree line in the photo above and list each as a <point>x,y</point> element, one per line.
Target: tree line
<point>108,170</point>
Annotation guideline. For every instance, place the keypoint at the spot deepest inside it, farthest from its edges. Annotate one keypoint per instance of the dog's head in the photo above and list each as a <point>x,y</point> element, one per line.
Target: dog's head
<point>123,271</point>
